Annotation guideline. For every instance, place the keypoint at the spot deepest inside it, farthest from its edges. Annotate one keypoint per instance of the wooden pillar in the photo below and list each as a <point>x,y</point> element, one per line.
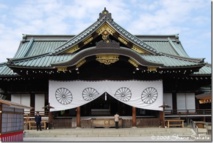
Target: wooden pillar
<point>204,119</point>
<point>78,117</point>
<point>50,117</point>
<point>133,117</point>
<point>174,103</point>
<point>161,118</point>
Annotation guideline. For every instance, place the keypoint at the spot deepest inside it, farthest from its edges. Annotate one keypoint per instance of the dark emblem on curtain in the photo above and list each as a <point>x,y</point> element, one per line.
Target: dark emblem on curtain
<point>89,94</point>
<point>123,94</point>
<point>149,95</point>
<point>63,96</point>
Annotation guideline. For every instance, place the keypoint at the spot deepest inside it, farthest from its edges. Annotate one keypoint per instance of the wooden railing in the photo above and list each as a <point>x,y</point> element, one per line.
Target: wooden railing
<point>189,112</point>
<point>32,113</point>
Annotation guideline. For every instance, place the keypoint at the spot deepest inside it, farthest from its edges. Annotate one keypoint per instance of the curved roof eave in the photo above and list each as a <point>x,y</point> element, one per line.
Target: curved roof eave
<point>95,51</point>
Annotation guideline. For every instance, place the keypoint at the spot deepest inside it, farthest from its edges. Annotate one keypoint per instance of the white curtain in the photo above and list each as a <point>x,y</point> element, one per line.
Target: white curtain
<point>167,98</point>
<point>190,100</point>
<point>181,102</point>
<point>39,102</point>
<point>16,98</point>
<point>185,101</point>
<point>140,94</point>
<point>23,99</point>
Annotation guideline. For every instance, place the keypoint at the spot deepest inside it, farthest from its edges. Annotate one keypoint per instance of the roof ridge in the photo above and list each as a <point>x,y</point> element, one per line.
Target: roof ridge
<point>11,60</point>
<point>82,35</point>
<point>173,46</point>
<point>105,17</point>
<point>196,60</point>
<point>29,47</point>
<point>132,37</point>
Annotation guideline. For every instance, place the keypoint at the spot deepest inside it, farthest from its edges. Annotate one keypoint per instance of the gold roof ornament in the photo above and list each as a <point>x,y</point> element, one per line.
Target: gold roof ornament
<point>105,11</point>
<point>105,36</point>
<point>107,59</point>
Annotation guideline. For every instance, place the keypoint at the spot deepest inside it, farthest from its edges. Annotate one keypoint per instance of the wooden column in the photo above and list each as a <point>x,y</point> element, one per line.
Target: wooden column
<point>50,117</point>
<point>133,117</point>
<point>161,118</point>
<point>78,117</point>
<point>174,102</point>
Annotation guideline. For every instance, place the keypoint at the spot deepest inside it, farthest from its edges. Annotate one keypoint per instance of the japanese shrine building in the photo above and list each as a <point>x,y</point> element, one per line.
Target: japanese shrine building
<point>104,70</point>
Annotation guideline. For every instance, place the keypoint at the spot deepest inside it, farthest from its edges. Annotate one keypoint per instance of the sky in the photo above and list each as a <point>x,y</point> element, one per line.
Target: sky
<point>191,19</point>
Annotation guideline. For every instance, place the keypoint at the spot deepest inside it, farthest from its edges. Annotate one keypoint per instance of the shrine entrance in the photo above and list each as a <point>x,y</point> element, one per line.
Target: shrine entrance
<point>106,105</point>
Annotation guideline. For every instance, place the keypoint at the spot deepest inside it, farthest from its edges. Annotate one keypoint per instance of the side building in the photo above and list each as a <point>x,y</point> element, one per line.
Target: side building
<point>104,70</point>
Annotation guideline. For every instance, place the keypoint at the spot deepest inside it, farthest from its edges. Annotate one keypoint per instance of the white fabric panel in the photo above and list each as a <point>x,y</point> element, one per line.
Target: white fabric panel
<point>181,101</point>
<point>167,98</point>
<point>186,101</point>
<point>71,94</point>
<point>39,102</point>
<point>16,98</point>
<point>190,100</point>
<point>25,100</point>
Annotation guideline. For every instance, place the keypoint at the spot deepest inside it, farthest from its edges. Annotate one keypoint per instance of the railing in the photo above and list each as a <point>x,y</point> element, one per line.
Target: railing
<point>189,112</point>
<point>201,127</point>
<point>32,113</point>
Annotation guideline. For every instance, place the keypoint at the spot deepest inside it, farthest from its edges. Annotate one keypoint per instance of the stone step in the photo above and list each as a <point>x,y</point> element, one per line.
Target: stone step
<point>122,132</point>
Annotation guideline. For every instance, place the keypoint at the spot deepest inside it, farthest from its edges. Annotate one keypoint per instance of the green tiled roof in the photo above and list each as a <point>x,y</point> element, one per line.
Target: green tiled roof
<point>168,61</point>
<point>83,35</point>
<point>86,33</point>
<point>179,48</point>
<point>6,71</point>
<point>207,69</point>
<point>37,48</point>
<point>43,61</point>
<point>46,61</point>
<point>131,37</point>
<point>161,46</point>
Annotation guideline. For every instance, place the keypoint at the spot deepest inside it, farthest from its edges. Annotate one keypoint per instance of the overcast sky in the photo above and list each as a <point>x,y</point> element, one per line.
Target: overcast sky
<point>191,19</point>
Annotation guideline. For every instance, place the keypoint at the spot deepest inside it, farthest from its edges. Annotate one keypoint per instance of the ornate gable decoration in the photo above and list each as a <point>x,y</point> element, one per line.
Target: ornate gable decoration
<point>106,14</point>
<point>107,59</point>
<point>105,26</point>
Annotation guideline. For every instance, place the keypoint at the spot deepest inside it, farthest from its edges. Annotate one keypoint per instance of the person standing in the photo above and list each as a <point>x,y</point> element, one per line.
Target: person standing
<point>38,121</point>
<point>116,117</point>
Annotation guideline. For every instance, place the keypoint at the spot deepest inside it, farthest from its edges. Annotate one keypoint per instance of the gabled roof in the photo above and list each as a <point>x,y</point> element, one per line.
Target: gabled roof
<point>44,51</point>
<point>33,45</point>
<point>105,18</point>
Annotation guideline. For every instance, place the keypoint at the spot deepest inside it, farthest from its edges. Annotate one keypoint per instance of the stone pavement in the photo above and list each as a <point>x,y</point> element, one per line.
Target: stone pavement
<point>113,135</point>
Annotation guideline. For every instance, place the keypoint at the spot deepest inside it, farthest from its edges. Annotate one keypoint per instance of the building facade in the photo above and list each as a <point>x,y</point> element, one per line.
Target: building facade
<point>104,70</point>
